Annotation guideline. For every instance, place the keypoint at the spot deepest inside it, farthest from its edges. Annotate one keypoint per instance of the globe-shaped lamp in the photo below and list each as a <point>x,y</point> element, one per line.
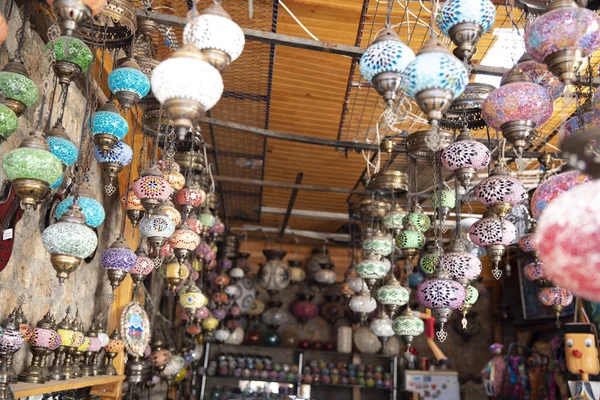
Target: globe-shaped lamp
<point>128,83</point>
<point>392,295</point>
<point>462,265</point>
<point>465,157</point>
<point>500,192</point>
<point>184,241</point>
<point>408,326</point>
<point>18,90</point>
<point>108,127</point>
<point>152,189</point>
<point>113,161</point>
<point>554,187</point>
<point>157,228</point>
<point>538,73</point>
<point>373,268</point>
<point>71,57</point>
<point>118,260</point>
<point>378,244</point>
<point>410,241</point>
<point>92,209</point>
<point>8,122</point>
<point>61,146</point>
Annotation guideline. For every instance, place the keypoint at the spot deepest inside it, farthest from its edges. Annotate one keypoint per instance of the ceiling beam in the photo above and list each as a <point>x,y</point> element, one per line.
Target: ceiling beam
<point>284,185</point>
<point>341,237</point>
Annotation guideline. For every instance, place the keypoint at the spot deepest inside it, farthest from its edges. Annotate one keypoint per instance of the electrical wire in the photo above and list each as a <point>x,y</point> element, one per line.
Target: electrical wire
<point>308,32</point>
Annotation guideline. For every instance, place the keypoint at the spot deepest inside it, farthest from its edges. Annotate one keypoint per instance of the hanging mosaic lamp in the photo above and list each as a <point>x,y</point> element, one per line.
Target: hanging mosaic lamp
<point>534,272</point>
<point>554,187</point>
<point>526,242</point>
<point>71,57</point>
<point>108,127</point>
<point>192,300</point>
<point>152,189</point>
<point>184,241</point>
<point>326,275</point>
<point>18,90</point>
<point>113,161</point>
<point>69,241</point>
<point>408,326</point>
<point>32,169</point>
<point>216,35</point>
<point>190,198</point>
<point>585,118</point>
<point>568,235</point>
<point>362,304</point>
<point>517,108</point>
<point>173,176</point>
<point>142,268</point>
<point>160,356</point>
<point>157,229</point>
<point>563,50</point>
<point>465,22</point>
<point>72,13</point>
<point>430,260</point>
<point>61,146</point>
<point>472,294</point>
<point>135,209</point>
<point>418,219</point>
<point>187,86</point>
<point>128,83</point>
<point>442,295</point>
<point>392,295</point>
<point>92,209</point>
<point>465,157</point>
<point>175,274</point>
<point>383,63</point>
<point>378,244</point>
<point>210,324</point>
<point>8,122</point>
<point>500,192</point>
<point>556,298</point>
<point>372,269</point>
<point>410,241</point>
<point>304,309</point>
<point>208,221</point>
<point>538,73</point>
<point>171,211</point>
<point>274,275</point>
<point>393,219</point>
<point>433,91</point>
<point>448,201</point>
<point>118,260</point>
<point>382,327</point>
<point>494,234</point>
<point>462,265</point>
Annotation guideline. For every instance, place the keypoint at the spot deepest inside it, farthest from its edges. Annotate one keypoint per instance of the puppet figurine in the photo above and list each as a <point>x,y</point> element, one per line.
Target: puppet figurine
<point>493,372</point>
<point>581,350</point>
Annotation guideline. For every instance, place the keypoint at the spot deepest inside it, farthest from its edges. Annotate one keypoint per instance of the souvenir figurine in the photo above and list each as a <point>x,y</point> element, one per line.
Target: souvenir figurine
<point>493,373</point>
<point>581,351</point>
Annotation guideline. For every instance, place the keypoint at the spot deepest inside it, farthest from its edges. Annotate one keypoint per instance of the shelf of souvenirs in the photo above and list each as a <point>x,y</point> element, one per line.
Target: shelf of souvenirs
<point>24,389</point>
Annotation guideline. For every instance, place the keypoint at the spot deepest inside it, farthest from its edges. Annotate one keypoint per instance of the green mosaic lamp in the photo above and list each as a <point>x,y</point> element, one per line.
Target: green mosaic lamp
<point>72,57</point>
<point>448,201</point>
<point>418,219</point>
<point>8,122</point>
<point>410,241</point>
<point>19,91</point>
<point>32,168</point>
<point>430,260</point>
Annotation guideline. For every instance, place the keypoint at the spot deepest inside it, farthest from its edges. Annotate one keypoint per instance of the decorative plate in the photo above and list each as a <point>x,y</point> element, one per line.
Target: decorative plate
<point>135,329</point>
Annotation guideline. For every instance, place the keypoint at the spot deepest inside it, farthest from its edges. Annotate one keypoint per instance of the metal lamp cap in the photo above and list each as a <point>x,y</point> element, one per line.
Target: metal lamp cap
<point>35,140</point>
<point>110,106</point>
<point>47,322</point>
<point>153,170</point>
<point>16,65</point>
<point>434,45</point>
<point>189,51</point>
<point>115,335</point>
<point>457,245</point>
<point>120,243</point>
<point>58,131</point>
<point>130,62</point>
<point>387,34</point>
<point>73,215</point>
<point>514,75</point>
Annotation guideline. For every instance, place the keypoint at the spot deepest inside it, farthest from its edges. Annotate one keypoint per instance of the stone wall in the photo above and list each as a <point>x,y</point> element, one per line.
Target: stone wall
<point>29,271</point>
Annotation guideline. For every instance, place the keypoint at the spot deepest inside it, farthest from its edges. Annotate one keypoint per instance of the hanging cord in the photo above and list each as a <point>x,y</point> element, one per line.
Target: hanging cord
<point>411,187</point>
<point>304,28</point>
<point>21,31</point>
<point>51,109</point>
<point>64,93</point>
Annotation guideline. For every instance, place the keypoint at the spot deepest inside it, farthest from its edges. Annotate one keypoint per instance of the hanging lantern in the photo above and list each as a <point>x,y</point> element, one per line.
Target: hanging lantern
<point>118,260</point>
<point>108,127</point>
<point>517,108</point>
<point>464,23</point>
<point>462,265</point>
<point>472,294</point>
<point>538,73</point>
<point>18,90</point>
<point>192,300</point>
<point>171,211</point>
<point>221,335</point>
<point>318,256</point>
<point>207,221</point>
<point>563,50</point>
<point>274,275</point>
<point>442,295</point>
<point>71,57</point>
<point>152,189</point>
<point>142,268</point>
<point>362,304</point>
<point>465,157</point>
<point>382,327</point>
<point>189,198</point>
<point>383,63</point>
<point>378,244</point>
<point>500,192</point>
<point>430,260</point>
<point>556,298</point>
<point>174,274</point>
<point>568,235</point>
<point>393,220</point>
<point>548,191</point>
<point>72,13</point>
<point>157,228</point>
<point>159,357</point>
<point>32,168</point>
<point>533,272</point>
<point>526,242</point>
<point>408,326</point>
<point>418,219</point>
<point>187,86</point>
<point>92,209</point>
<point>8,122</point>
<point>135,209</point>
<point>128,83</point>
<point>218,38</point>
<point>113,161</point>
<point>392,295</point>
<point>332,310</point>
<point>297,274</point>
<point>448,202</point>
<point>304,309</point>
<point>194,224</point>
<point>494,234</point>
<point>326,275</point>
<point>434,92</point>
<point>69,241</point>
<point>585,119</point>
<point>184,241</point>
<point>373,268</point>
<point>61,146</point>
<point>410,241</point>
<point>173,176</point>
<point>210,324</point>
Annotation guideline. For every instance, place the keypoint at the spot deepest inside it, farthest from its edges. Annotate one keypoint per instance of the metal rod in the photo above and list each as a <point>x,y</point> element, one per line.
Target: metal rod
<point>284,185</point>
<point>288,212</point>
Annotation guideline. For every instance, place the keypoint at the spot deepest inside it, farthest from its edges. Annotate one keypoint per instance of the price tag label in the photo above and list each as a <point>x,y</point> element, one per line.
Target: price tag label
<point>7,234</point>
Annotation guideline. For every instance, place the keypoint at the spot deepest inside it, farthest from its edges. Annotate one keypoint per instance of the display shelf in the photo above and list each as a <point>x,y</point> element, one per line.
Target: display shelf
<point>240,378</point>
<point>24,389</point>
<point>316,385</point>
<point>256,349</point>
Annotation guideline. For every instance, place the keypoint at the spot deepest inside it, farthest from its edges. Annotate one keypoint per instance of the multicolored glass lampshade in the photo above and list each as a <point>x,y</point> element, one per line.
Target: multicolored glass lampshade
<point>18,90</point>
<point>430,260</point>
<point>108,126</point>
<point>465,157</point>
<point>152,188</point>
<point>113,161</point>
<point>555,296</point>
<point>384,61</point>
<point>210,324</point>
<point>184,241</point>
<point>588,119</point>
<point>410,241</point>
<point>71,57</point>
<point>462,265</point>
<point>8,122</point>
<point>517,107</point>
<point>533,271</point>
<point>554,187</point>
<point>472,295</point>
<point>378,244</point>
<point>491,230</point>
<point>175,274</point>
<point>563,50</point>
<point>207,220</point>
<point>526,243</point>
<point>91,208</point>
<point>448,198</point>
<point>465,22</point>
<point>128,83</point>
<point>57,184</point>
<point>171,211</point>
<point>190,198</point>
<point>118,260</point>
<point>392,295</point>
<point>433,91</point>
<point>304,309</point>
<point>61,146</point>
<point>393,220</point>
<point>175,179</point>
<point>500,192</point>
<point>143,266</point>
<point>568,237</point>
<point>215,34</point>
<point>192,299</point>
<point>418,219</point>
<point>538,73</point>
<point>408,325</point>
<point>157,224</point>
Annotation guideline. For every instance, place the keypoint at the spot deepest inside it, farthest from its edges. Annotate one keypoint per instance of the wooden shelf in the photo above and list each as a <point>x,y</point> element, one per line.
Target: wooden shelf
<point>23,389</point>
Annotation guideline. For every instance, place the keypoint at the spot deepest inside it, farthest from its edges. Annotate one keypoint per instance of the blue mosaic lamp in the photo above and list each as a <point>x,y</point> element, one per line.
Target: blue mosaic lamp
<point>464,22</point>
<point>383,62</point>
<point>128,83</point>
<point>91,208</point>
<point>61,146</point>
<point>57,183</point>
<point>108,127</point>
<point>434,79</point>
<point>113,161</point>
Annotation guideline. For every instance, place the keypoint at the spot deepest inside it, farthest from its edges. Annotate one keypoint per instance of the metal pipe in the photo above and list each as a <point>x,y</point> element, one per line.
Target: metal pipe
<point>284,185</point>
